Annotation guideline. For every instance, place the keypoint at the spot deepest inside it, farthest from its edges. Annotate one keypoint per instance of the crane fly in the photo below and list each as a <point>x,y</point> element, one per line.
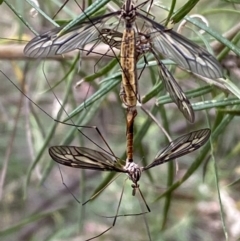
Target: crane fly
<point>85,158</point>
<point>167,42</point>
<point>164,42</point>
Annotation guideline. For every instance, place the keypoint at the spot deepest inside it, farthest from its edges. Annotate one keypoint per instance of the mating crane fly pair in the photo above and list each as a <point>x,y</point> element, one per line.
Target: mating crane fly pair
<point>155,39</point>
<point>133,44</point>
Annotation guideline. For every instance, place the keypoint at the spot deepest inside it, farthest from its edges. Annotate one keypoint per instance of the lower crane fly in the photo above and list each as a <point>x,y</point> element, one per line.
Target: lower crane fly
<point>85,158</point>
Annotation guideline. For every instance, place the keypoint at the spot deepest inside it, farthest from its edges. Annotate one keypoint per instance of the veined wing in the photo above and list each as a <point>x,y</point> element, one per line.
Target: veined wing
<point>111,37</point>
<point>85,158</point>
<point>175,91</point>
<point>181,50</point>
<point>181,146</point>
<point>51,43</point>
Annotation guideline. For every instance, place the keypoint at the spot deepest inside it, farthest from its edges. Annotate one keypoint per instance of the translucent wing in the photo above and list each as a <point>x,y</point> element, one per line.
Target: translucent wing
<point>181,146</point>
<point>111,37</point>
<point>175,91</point>
<point>184,52</point>
<point>84,158</point>
<point>51,43</point>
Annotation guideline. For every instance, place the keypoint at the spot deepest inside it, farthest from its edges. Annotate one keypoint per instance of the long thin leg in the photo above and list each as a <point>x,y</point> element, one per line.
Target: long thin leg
<point>115,218</point>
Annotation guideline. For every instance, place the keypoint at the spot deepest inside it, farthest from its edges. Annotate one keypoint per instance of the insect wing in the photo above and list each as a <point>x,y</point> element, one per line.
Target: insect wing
<point>187,54</point>
<point>175,91</point>
<point>51,43</point>
<point>184,52</point>
<point>181,146</point>
<point>111,37</point>
<point>84,158</point>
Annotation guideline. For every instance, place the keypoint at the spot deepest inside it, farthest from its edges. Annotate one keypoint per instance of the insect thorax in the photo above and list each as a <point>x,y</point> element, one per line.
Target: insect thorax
<point>129,13</point>
<point>133,171</point>
<point>143,44</point>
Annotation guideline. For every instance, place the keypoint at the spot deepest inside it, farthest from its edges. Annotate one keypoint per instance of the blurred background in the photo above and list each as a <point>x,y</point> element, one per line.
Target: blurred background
<point>199,201</point>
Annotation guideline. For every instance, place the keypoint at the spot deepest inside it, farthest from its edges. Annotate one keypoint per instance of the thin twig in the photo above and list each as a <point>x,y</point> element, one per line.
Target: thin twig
<point>15,52</point>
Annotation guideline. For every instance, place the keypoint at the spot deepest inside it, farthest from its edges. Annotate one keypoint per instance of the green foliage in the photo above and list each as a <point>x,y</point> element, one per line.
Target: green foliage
<point>195,203</point>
